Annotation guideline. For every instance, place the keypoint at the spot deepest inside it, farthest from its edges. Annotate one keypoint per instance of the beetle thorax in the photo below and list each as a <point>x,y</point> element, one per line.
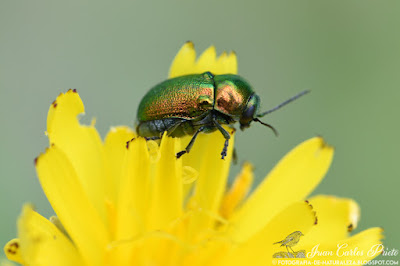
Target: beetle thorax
<point>232,94</point>
<point>228,99</point>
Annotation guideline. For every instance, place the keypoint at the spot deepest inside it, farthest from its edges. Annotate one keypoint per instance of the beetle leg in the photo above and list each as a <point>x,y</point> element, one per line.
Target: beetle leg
<point>152,138</point>
<point>190,145</point>
<point>172,128</point>
<point>226,136</point>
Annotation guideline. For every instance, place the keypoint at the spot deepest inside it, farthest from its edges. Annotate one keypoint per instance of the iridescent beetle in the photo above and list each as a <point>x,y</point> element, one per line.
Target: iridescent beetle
<point>191,104</point>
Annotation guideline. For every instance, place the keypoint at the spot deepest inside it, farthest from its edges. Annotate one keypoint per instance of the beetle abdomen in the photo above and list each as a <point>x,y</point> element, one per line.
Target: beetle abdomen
<point>184,97</point>
<point>175,127</point>
<point>157,127</point>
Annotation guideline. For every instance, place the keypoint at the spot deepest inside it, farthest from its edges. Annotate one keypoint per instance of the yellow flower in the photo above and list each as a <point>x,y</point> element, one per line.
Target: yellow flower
<point>128,201</point>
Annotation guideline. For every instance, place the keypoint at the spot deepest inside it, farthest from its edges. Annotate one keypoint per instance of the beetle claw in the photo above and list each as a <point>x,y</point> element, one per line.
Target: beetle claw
<point>179,154</point>
<point>223,154</point>
<point>225,149</point>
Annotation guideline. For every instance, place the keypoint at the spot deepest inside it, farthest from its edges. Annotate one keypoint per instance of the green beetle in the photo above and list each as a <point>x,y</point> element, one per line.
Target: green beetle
<point>191,104</point>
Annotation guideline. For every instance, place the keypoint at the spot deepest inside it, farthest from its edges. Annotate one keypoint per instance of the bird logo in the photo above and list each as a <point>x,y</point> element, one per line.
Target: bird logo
<point>290,241</point>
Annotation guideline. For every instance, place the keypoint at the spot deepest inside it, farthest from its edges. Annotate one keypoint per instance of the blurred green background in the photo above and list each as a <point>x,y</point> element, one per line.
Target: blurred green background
<point>346,52</point>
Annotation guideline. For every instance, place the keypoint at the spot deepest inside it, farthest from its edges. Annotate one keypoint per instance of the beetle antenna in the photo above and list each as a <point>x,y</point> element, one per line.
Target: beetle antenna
<point>283,104</point>
<point>267,125</point>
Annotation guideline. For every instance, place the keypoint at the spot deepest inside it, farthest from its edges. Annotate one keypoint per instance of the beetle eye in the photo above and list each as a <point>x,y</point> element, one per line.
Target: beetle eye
<point>247,117</point>
<point>249,112</point>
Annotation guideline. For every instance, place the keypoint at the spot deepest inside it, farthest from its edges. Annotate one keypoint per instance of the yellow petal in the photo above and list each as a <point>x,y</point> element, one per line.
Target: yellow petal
<point>292,179</point>
<point>134,190</point>
<point>166,187</point>
<point>13,250</point>
<point>224,64</point>
<point>221,62</point>
<point>238,191</point>
<point>115,151</point>
<point>230,64</point>
<point>336,217</point>
<point>207,61</point>
<point>54,220</point>
<point>193,160</point>
<point>260,248</point>
<point>133,198</point>
<point>42,243</point>
<point>81,144</point>
<point>227,63</point>
<point>209,253</point>
<point>76,212</point>
<point>184,61</point>
<point>213,175</point>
